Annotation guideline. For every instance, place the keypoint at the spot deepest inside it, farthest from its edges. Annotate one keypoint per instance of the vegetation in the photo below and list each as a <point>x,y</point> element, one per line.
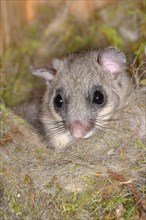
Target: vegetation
<point>27,189</point>
<point>75,36</point>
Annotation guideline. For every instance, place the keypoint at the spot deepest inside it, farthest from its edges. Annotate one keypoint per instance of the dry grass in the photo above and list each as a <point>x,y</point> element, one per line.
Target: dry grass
<point>100,178</point>
<point>92,179</point>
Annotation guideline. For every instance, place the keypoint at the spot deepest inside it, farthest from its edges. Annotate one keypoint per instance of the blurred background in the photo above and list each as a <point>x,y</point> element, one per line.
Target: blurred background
<point>34,32</point>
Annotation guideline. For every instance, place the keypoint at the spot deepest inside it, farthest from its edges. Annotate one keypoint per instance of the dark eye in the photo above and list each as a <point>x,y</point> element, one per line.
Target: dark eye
<point>58,101</point>
<point>98,97</point>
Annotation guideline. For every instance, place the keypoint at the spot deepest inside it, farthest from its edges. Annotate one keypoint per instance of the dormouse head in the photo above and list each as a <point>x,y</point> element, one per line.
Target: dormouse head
<point>83,90</point>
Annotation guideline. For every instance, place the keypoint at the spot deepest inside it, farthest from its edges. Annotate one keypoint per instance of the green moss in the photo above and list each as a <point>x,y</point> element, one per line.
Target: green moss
<point>99,203</point>
<point>110,204</point>
<point>139,52</point>
<point>40,150</point>
<point>143,82</point>
<point>15,206</point>
<point>112,36</point>
<point>75,205</point>
<point>89,181</point>
<point>140,144</point>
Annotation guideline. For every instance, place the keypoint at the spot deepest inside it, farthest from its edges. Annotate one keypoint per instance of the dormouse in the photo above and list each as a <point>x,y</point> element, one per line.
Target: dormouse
<point>83,92</point>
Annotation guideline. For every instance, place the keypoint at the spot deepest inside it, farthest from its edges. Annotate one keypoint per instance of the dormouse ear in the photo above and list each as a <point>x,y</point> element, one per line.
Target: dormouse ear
<point>47,72</point>
<point>112,60</point>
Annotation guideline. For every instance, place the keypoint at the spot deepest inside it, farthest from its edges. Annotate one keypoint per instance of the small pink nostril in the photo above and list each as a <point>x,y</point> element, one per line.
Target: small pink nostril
<point>79,129</point>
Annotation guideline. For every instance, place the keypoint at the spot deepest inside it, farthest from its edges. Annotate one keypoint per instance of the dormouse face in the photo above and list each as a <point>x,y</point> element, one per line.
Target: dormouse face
<point>83,90</point>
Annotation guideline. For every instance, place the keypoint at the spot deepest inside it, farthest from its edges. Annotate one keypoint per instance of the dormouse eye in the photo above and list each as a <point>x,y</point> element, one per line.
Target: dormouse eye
<point>58,101</point>
<point>98,97</point>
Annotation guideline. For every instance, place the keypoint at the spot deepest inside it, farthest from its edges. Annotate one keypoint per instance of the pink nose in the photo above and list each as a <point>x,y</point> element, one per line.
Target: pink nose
<point>79,129</point>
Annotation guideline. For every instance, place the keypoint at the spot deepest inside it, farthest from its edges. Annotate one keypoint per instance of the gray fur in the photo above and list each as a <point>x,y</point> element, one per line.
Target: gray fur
<point>76,75</point>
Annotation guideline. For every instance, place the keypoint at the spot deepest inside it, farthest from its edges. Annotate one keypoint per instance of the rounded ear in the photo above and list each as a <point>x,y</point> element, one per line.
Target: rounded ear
<point>47,72</point>
<point>112,60</point>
